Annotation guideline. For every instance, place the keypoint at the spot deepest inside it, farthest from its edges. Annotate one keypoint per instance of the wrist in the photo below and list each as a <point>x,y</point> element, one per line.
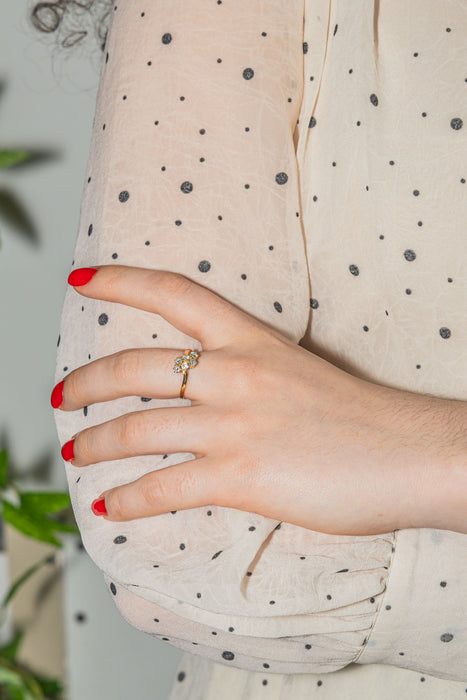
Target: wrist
<point>439,480</point>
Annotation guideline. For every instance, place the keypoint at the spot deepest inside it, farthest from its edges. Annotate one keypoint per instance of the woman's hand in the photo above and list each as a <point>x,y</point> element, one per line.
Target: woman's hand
<point>275,429</point>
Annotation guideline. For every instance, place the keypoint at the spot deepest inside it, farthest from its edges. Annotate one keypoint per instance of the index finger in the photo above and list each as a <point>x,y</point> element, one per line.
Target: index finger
<point>192,308</point>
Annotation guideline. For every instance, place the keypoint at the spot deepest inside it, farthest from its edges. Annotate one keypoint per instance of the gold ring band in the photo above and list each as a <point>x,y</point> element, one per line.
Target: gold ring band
<point>183,363</point>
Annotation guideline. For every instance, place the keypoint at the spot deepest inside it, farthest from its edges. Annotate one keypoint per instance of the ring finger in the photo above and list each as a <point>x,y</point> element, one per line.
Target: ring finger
<point>135,372</point>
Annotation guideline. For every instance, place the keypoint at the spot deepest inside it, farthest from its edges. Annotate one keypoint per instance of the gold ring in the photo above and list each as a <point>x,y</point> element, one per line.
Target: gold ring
<point>184,363</point>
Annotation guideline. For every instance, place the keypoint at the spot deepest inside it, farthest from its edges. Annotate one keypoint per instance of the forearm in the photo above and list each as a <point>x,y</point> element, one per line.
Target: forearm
<point>446,497</point>
<point>434,433</point>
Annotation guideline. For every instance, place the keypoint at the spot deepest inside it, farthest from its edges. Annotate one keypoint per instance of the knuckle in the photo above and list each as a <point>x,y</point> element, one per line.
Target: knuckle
<point>126,365</point>
<point>176,283</point>
<point>169,491</point>
<point>154,491</point>
<point>130,430</point>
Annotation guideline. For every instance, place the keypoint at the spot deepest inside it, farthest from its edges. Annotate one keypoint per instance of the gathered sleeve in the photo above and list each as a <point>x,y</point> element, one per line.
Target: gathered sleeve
<point>192,168</point>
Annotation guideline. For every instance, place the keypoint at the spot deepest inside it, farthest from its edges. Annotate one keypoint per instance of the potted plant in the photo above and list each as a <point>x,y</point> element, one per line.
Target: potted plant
<point>29,513</point>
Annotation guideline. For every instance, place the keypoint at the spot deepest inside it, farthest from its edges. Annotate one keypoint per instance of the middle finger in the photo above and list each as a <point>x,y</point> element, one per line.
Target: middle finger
<point>150,432</point>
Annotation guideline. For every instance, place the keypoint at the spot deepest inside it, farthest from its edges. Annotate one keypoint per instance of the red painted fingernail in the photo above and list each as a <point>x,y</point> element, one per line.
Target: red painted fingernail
<point>68,451</point>
<point>98,507</point>
<point>57,395</point>
<point>80,277</point>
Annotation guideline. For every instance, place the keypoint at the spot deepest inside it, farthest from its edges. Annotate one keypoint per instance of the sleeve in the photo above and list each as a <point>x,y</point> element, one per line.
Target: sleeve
<point>192,168</point>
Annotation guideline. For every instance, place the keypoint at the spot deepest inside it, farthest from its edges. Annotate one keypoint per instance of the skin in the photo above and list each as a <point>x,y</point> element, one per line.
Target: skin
<point>274,428</point>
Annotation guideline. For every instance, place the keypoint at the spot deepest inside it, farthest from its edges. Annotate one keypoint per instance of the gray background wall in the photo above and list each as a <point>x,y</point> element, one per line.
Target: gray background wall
<point>47,102</point>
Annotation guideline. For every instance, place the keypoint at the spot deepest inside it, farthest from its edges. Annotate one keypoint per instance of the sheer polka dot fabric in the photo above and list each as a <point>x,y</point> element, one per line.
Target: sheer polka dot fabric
<point>308,161</point>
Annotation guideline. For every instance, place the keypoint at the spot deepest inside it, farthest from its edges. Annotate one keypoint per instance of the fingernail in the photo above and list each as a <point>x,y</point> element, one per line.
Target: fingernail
<point>56,398</point>
<point>98,507</point>
<point>80,277</point>
<point>68,451</point>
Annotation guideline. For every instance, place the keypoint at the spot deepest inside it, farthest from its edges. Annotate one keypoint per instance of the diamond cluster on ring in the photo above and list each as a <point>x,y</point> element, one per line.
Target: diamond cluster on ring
<point>184,362</point>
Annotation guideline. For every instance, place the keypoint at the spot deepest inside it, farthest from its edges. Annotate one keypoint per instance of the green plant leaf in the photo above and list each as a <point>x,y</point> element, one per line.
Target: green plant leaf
<point>22,578</point>
<point>14,692</point>
<point>12,157</point>
<point>15,672</point>
<point>39,503</point>
<point>64,527</point>
<point>51,687</point>
<point>3,468</point>
<point>32,524</point>
<point>10,678</point>
<point>45,502</point>
<point>10,650</point>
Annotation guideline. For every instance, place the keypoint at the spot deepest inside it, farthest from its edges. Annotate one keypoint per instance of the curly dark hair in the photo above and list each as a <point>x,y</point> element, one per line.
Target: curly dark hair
<point>49,16</point>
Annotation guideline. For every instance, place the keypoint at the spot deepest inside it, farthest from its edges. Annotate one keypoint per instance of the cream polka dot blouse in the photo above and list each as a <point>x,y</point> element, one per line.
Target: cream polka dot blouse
<point>307,160</point>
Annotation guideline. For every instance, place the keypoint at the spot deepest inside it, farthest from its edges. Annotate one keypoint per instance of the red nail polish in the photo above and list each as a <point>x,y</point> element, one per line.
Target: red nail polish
<point>80,277</point>
<point>57,395</point>
<point>68,451</point>
<point>98,507</point>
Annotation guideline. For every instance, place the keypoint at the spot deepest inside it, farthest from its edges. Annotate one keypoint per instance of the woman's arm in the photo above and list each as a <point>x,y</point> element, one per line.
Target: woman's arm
<point>441,426</point>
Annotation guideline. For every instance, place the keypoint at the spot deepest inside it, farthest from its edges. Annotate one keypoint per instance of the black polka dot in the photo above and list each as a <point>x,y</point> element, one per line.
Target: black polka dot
<point>103,318</point>
<point>124,196</point>
<point>248,73</point>
<point>447,637</point>
<point>354,270</point>
<point>445,332</point>
<point>409,255</point>
<point>373,99</point>
<point>166,38</point>
<point>456,123</point>
<point>281,178</point>
<point>186,186</point>
<point>204,266</point>
<point>228,655</point>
